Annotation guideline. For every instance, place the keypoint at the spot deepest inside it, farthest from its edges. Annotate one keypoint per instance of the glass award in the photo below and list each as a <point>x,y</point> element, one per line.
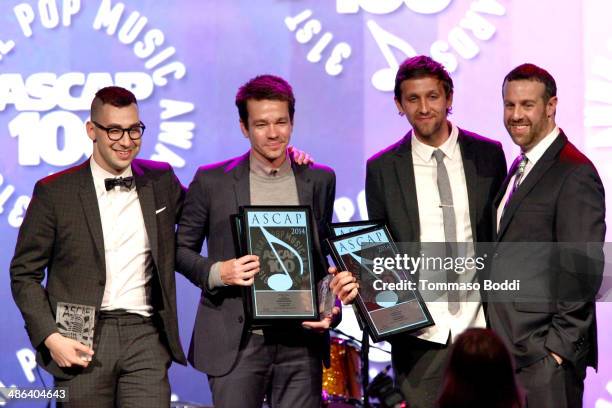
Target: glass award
<point>327,299</point>
<point>388,300</point>
<point>76,322</point>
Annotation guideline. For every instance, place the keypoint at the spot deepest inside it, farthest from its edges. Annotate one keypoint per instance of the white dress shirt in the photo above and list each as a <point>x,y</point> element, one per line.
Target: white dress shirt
<point>533,156</point>
<point>126,246</point>
<point>470,313</point>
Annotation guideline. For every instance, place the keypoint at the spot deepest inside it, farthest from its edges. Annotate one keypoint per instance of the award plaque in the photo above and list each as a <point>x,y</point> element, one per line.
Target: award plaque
<point>341,228</point>
<point>388,300</point>
<point>285,287</point>
<point>76,322</point>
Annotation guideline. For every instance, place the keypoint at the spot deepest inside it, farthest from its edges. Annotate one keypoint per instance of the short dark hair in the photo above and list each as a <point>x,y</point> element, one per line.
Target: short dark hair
<point>112,95</point>
<point>419,67</point>
<point>532,72</point>
<point>264,87</point>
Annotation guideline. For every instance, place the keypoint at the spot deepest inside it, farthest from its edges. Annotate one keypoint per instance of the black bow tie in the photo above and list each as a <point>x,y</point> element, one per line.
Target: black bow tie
<point>126,182</point>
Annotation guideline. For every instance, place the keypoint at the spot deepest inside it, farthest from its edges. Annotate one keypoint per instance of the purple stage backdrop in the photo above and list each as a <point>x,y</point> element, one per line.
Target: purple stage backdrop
<point>185,59</point>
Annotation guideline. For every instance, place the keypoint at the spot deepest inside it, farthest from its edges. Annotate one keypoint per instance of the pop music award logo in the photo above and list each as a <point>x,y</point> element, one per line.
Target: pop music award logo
<point>45,111</point>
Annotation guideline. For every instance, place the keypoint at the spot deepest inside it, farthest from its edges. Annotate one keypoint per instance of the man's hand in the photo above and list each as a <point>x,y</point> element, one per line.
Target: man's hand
<point>344,285</point>
<point>324,323</point>
<point>240,271</point>
<point>67,352</point>
<point>299,157</point>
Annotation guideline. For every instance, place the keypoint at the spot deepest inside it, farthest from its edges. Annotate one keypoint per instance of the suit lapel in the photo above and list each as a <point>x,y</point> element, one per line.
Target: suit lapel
<point>242,185</point>
<point>500,195</point>
<point>537,172</point>
<point>146,197</point>
<point>303,184</point>
<point>404,170</point>
<point>472,180</point>
<point>89,201</point>
<point>504,186</point>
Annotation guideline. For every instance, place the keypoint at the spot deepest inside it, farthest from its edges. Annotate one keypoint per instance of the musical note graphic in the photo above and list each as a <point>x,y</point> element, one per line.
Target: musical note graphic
<point>384,298</point>
<point>279,281</point>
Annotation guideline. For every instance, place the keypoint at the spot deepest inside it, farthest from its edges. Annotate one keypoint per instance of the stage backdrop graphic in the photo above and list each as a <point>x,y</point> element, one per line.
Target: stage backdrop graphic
<point>185,60</point>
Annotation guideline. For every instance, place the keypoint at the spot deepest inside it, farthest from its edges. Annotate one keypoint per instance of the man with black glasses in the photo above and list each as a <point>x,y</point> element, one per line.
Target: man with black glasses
<point>104,233</point>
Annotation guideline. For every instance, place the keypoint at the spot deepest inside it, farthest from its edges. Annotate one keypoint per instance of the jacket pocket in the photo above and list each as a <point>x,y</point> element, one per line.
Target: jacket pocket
<point>534,307</point>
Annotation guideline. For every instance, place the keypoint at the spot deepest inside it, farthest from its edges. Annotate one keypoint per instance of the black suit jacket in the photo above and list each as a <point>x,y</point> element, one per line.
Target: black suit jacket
<point>561,200</point>
<point>216,192</point>
<point>391,187</point>
<point>62,235</point>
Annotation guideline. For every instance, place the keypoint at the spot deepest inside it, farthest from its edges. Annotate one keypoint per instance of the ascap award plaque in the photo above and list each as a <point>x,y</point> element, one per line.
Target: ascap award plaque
<point>285,287</point>
<point>388,300</point>
<point>341,228</point>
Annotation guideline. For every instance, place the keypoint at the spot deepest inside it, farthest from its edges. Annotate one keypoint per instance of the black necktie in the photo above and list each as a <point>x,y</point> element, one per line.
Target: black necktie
<point>126,182</point>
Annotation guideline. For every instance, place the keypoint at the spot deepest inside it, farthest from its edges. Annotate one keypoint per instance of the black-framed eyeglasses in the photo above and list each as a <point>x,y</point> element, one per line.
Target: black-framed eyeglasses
<point>116,133</point>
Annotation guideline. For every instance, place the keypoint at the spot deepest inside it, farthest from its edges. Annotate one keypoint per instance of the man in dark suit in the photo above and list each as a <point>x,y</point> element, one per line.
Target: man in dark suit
<point>435,185</point>
<point>244,364</point>
<point>104,233</point>
<point>552,195</point>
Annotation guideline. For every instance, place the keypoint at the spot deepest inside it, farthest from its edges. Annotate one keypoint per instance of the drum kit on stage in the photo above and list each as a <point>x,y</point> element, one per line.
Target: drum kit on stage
<point>341,381</point>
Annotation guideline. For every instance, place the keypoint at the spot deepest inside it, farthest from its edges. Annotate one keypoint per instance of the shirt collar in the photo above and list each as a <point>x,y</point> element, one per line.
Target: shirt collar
<point>449,147</point>
<point>538,150</point>
<point>264,170</point>
<point>99,174</point>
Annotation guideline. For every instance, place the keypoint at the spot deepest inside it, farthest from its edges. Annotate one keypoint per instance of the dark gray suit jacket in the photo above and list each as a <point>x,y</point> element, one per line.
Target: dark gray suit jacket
<point>561,200</point>
<point>62,235</point>
<point>391,187</point>
<point>216,192</point>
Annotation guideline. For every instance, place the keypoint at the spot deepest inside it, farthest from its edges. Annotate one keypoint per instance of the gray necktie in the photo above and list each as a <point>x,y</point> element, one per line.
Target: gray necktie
<point>520,171</point>
<point>450,224</point>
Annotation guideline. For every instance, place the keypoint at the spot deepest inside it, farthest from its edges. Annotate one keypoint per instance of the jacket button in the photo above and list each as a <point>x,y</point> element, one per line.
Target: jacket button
<point>240,319</point>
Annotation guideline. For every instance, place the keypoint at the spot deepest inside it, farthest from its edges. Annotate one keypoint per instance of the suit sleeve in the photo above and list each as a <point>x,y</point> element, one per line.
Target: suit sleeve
<point>193,228</point>
<point>483,246</point>
<point>177,192</point>
<point>502,169</point>
<point>580,221</point>
<point>325,193</point>
<point>374,193</point>
<point>32,254</point>
<point>328,213</point>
